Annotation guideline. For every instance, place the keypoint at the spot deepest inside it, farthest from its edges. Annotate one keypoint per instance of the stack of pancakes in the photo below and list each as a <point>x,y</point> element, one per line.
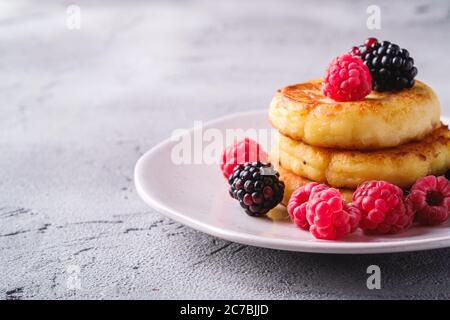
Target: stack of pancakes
<point>393,136</point>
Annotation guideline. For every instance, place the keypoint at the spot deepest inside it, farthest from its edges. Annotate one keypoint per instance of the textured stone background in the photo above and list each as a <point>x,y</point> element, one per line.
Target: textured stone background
<point>80,106</point>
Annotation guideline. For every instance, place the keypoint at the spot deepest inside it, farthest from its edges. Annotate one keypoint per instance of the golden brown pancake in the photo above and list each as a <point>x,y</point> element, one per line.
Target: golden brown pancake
<point>380,120</point>
<point>402,165</point>
<point>293,181</point>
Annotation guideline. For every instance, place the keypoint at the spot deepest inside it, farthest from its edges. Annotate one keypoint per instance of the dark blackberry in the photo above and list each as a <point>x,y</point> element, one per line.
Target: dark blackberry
<point>391,67</point>
<point>257,187</point>
<point>447,175</point>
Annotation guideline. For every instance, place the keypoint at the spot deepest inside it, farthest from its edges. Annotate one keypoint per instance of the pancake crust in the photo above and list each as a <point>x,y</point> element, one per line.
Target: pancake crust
<point>401,165</point>
<point>380,120</point>
<point>293,181</point>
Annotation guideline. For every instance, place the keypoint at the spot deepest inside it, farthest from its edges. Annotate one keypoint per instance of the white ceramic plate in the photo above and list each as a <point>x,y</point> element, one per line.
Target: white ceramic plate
<point>196,195</point>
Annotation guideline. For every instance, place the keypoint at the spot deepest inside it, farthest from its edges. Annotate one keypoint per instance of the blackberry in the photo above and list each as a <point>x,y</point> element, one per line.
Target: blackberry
<point>257,187</point>
<point>391,67</point>
<point>447,175</point>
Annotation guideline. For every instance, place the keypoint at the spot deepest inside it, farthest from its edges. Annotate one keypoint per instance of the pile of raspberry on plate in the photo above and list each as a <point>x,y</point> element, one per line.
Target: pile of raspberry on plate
<point>362,148</point>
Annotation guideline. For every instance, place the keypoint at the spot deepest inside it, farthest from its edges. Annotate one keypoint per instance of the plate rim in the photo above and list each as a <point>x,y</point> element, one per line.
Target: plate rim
<point>315,246</point>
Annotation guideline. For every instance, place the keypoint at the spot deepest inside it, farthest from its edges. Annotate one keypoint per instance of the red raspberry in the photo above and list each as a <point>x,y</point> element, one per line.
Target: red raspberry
<point>347,79</point>
<point>355,51</point>
<point>430,200</point>
<point>246,150</point>
<point>297,203</point>
<point>329,216</point>
<point>382,207</point>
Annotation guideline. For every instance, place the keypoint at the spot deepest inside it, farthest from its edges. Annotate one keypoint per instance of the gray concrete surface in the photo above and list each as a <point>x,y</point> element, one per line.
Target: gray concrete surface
<point>80,106</point>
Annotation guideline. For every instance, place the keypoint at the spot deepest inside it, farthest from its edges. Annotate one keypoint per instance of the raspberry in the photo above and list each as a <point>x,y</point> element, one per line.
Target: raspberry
<point>329,216</point>
<point>246,150</point>
<point>382,207</point>
<point>347,79</point>
<point>257,187</point>
<point>430,200</point>
<point>297,203</point>
<point>355,51</point>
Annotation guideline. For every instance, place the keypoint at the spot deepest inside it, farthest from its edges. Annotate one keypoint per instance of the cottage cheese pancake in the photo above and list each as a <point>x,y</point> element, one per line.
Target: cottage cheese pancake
<point>380,120</point>
<point>292,182</point>
<point>401,165</point>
